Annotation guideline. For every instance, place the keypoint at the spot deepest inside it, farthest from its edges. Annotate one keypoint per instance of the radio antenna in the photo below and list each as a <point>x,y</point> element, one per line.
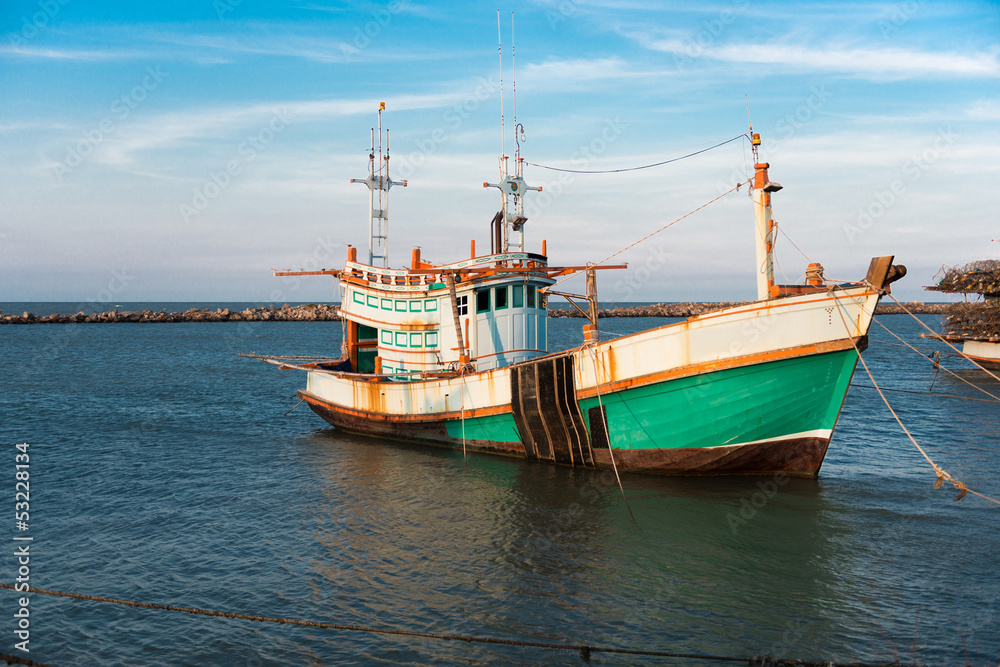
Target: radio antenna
<point>503,135</point>
<point>513,72</point>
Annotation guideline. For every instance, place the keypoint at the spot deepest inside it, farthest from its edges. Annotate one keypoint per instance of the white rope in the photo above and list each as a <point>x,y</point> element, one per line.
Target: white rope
<point>607,434</point>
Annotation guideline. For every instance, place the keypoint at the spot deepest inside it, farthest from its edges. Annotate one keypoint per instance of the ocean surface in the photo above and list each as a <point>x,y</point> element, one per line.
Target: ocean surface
<point>166,469</point>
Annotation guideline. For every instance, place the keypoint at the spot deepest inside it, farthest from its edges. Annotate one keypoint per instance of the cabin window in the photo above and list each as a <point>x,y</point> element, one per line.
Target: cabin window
<point>501,297</point>
<point>517,296</point>
<point>400,306</point>
<point>430,305</point>
<point>414,306</point>
<point>431,338</point>
<point>483,301</point>
<point>463,304</point>
<point>400,339</point>
<point>358,297</point>
<point>373,301</point>
<point>386,304</point>
<point>387,337</point>
<point>416,340</point>
<point>531,296</point>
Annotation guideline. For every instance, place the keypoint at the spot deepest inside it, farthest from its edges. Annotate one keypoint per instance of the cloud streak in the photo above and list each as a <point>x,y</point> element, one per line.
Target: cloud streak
<point>869,63</point>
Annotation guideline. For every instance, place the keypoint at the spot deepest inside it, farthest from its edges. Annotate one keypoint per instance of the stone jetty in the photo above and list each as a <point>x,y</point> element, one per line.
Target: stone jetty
<point>329,312</point>
<point>691,309</point>
<point>308,313</point>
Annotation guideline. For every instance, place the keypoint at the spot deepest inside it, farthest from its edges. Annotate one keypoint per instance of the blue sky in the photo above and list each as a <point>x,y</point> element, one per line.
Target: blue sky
<point>182,152</point>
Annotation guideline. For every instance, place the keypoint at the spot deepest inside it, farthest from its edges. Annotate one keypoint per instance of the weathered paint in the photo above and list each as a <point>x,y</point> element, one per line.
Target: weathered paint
<point>796,397</point>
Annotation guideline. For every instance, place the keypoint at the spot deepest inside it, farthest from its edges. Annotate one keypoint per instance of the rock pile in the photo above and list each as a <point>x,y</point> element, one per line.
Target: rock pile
<point>691,309</point>
<point>308,313</point>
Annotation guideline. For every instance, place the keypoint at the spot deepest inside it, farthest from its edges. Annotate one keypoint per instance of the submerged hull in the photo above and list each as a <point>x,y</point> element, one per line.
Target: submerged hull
<point>750,390</point>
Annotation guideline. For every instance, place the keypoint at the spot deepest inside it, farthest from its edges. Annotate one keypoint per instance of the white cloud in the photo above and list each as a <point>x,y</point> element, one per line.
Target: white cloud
<point>871,63</point>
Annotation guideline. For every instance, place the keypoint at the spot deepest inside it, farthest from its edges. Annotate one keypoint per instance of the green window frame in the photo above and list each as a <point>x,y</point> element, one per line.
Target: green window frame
<point>483,301</point>
<point>416,339</point>
<point>400,339</point>
<point>386,304</point>
<point>400,306</point>
<point>358,297</point>
<point>531,296</point>
<point>386,337</point>
<point>517,296</point>
<point>431,339</point>
<point>430,305</point>
<point>415,306</point>
<point>500,297</point>
<point>372,301</point>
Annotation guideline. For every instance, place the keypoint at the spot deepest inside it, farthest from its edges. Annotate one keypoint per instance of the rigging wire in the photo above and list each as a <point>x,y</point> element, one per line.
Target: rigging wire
<point>645,166</point>
<point>653,233</point>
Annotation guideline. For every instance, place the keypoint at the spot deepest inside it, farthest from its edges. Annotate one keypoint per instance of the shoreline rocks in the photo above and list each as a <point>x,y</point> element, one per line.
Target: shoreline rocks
<point>308,313</point>
<point>329,312</point>
<point>691,309</point>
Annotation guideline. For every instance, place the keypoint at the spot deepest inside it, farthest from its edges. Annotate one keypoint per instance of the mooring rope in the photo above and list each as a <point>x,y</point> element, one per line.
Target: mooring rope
<point>946,370</point>
<point>940,338</point>
<point>928,393</point>
<point>607,434</point>
<point>942,474</point>
<point>17,660</point>
<point>585,650</point>
<point>654,233</point>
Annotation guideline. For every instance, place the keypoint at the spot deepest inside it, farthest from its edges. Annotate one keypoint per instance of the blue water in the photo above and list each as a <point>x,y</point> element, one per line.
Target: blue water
<point>164,469</point>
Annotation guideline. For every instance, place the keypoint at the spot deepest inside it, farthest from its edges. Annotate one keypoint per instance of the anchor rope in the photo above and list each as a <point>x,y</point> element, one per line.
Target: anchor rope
<point>607,434</point>
<point>946,370</point>
<point>645,166</point>
<point>928,393</point>
<point>654,233</point>
<point>942,474</point>
<point>939,337</point>
<point>584,649</point>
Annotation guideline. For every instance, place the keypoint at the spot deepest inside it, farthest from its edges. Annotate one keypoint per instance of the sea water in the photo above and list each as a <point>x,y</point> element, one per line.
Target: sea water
<point>164,468</point>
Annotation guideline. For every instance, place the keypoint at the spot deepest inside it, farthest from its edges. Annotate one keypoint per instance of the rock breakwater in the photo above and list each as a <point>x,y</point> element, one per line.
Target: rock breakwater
<point>328,312</point>
<point>308,313</point>
<point>691,309</point>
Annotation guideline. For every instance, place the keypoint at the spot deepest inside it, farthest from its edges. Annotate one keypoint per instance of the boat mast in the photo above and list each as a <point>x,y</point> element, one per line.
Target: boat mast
<point>512,188</point>
<point>763,223</point>
<point>378,217</point>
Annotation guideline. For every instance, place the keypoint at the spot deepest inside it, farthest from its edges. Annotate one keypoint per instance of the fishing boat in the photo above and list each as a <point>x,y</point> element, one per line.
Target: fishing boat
<point>975,325</point>
<point>456,355</point>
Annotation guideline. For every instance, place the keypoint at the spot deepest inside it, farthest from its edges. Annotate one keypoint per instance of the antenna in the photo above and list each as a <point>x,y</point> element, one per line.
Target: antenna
<point>378,217</point>
<point>754,138</point>
<point>513,72</point>
<point>503,136</point>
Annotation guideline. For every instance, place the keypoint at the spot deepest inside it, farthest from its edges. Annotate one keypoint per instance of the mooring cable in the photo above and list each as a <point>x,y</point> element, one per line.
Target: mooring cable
<point>585,650</point>
<point>942,474</point>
